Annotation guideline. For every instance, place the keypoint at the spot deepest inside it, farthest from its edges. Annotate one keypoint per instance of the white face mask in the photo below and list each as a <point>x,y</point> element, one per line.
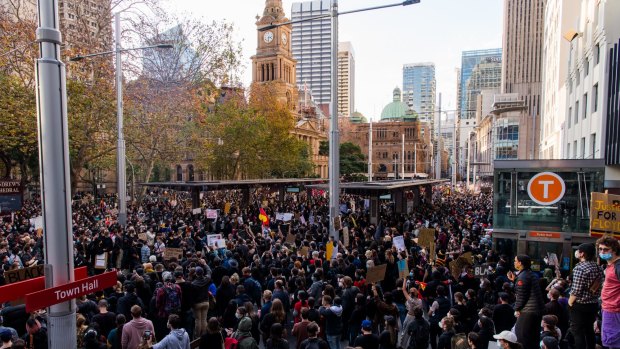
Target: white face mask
<point>238,316</point>
<point>577,254</point>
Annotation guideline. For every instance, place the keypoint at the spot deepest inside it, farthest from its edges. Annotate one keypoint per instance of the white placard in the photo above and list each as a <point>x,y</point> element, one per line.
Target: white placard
<point>211,213</point>
<point>220,243</point>
<point>212,239</point>
<point>37,222</point>
<point>302,219</point>
<point>197,210</point>
<point>285,217</point>
<point>399,243</point>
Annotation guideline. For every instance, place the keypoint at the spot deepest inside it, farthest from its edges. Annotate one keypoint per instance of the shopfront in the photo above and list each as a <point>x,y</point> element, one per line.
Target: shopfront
<point>541,207</point>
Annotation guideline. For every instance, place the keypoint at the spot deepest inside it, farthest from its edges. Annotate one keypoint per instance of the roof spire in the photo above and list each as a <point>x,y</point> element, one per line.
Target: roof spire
<point>274,9</point>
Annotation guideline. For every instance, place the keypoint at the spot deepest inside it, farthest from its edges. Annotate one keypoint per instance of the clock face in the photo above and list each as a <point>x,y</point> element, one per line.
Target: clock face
<point>284,38</point>
<point>268,37</point>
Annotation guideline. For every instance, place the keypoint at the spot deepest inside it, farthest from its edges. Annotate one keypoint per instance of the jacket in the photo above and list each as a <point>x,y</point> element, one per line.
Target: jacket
<point>244,336</point>
<point>133,332</point>
<point>333,319</point>
<point>176,339</point>
<point>528,293</point>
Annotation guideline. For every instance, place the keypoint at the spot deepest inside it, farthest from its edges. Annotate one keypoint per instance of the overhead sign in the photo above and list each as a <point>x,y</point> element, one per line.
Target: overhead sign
<point>546,188</point>
<point>10,196</point>
<point>18,289</point>
<point>545,235</point>
<point>47,297</point>
<point>605,215</point>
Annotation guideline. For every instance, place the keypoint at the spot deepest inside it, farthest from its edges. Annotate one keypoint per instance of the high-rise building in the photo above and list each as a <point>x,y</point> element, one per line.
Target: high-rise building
<point>469,61</point>
<point>419,86</point>
<point>560,17</point>
<point>311,44</point>
<point>168,65</point>
<point>522,68</point>
<point>346,79</point>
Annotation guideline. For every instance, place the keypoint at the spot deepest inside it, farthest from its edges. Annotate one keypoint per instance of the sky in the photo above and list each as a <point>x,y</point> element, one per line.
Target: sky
<point>383,40</point>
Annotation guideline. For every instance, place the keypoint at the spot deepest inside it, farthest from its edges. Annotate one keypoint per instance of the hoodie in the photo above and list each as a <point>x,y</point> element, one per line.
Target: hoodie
<point>244,334</point>
<point>176,339</point>
<point>133,332</point>
<point>333,319</point>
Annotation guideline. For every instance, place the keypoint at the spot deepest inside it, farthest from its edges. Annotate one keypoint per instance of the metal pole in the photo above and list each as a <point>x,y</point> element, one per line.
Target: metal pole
<point>415,159</point>
<point>468,159</point>
<point>334,142</point>
<point>54,172</point>
<point>454,155</point>
<point>438,168</point>
<point>370,152</point>
<point>402,161</point>
<point>120,151</point>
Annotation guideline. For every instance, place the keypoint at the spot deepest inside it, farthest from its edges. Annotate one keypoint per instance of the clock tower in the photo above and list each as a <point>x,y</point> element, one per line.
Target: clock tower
<point>273,63</point>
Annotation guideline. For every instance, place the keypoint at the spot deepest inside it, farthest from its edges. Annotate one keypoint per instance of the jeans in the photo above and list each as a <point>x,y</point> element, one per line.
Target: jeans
<point>582,317</point>
<point>200,314</point>
<point>333,341</point>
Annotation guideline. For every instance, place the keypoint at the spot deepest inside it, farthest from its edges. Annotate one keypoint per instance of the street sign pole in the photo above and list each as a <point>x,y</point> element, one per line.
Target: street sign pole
<point>53,134</point>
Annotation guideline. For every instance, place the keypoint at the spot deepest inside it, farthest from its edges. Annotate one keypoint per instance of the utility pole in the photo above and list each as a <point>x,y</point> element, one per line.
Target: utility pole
<point>120,152</point>
<point>402,161</point>
<point>53,133</point>
<point>334,142</point>
<point>438,167</point>
<point>370,152</point>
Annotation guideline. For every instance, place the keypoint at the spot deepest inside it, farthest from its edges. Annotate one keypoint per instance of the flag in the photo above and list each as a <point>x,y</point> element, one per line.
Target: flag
<point>262,216</point>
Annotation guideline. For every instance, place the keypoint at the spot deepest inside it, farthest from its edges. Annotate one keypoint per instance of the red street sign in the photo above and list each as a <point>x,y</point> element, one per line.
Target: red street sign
<point>63,293</point>
<point>17,290</point>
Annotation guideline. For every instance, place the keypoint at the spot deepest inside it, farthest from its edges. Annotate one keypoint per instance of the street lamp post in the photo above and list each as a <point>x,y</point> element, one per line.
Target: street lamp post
<point>334,156</point>
<point>120,147</point>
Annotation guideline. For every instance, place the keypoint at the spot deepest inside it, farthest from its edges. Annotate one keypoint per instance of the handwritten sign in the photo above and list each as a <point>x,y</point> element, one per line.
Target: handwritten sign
<point>284,217</point>
<point>211,213</point>
<point>605,215</point>
<point>329,250</point>
<point>142,236</point>
<point>345,236</point>
<point>220,243</point>
<point>212,239</point>
<point>403,268</point>
<point>426,237</point>
<point>171,252</point>
<point>197,210</point>
<point>376,273</point>
<point>22,274</point>
<point>399,243</point>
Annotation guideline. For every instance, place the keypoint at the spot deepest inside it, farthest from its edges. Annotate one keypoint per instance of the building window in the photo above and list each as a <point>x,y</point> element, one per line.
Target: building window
<point>570,115</point>
<point>577,77</point>
<point>179,173</point>
<point>583,147</point>
<point>575,150</point>
<point>190,172</point>
<point>595,98</point>
<point>585,105</point>
<point>576,112</point>
<point>568,151</point>
<point>597,54</point>
<point>593,145</point>
<point>586,67</point>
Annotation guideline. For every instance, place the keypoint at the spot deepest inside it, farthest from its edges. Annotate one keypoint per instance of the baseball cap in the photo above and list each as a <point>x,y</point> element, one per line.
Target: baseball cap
<point>367,325</point>
<point>587,248</point>
<point>507,336</point>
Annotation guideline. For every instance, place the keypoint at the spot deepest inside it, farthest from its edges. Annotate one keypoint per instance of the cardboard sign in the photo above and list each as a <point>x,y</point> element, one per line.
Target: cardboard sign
<point>605,215</point>
<point>457,265</point>
<point>171,252</point>
<point>284,217</point>
<point>290,238</point>
<point>220,243</point>
<point>22,274</point>
<point>403,268</point>
<point>376,273</point>
<point>142,236</point>
<point>212,239</point>
<point>101,261</point>
<point>211,213</point>
<point>431,252</point>
<point>426,237</point>
<point>481,271</point>
<point>227,208</point>
<point>337,223</point>
<point>197,210</point>
<point>304,251</point>
<point>399,243</point>
<point>345,236</point>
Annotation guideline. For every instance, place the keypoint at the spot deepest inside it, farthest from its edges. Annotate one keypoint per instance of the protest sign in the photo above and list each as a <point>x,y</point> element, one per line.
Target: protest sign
<point>329,250</point>
<point>142,236</point>
<point>399,243</point>
<point>211,239</point>
<point>211,213</point>
<point>284,217</point>
<point>290,238</point>
<point>37,222</point>
<point>220,243</point>
<point>553,259</point>
<point>101,261</point>
<point>403,268</point>
<point>345,236</point>
<point>457,265</point>
<point>22,274</point>
<point>605,215</point>
<point>426,237</point>
<point>171,252</point>
<point>376,273</point>
<point>481,271</point>
<point>227,208</point>
<point>197,210</point>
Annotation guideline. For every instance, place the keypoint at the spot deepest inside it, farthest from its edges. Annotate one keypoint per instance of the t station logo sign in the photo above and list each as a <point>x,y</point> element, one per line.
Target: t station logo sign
<point>546,188</point>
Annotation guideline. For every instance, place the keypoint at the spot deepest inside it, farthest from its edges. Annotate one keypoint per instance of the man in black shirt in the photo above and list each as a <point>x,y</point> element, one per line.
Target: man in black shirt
<point>503,314</point>
<point>313,342</point>
<point>367,340</point>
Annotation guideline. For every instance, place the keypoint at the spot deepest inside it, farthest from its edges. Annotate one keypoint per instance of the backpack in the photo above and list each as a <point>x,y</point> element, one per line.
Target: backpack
<point>172,305</point>
<point>233,343</point>
<point>420,333</point>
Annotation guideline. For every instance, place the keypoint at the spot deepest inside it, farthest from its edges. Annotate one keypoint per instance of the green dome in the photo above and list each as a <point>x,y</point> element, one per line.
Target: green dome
<point>358,118</point>
<point>397,109</point>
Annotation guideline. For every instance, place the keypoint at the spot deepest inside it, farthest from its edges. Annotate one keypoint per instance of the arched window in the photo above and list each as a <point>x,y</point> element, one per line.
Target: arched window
<point>190,172</point>
<point>179,173</point>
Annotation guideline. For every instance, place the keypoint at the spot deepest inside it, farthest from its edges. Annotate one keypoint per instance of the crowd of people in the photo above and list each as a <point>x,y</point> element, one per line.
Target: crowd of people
<point>284,284</point>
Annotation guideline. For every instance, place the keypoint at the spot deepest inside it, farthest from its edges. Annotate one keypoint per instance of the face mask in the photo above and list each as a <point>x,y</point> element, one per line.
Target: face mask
<point>605,256</point>
<point>238,316</point>
<point>481,285</point>
<point>549,296</point>
<point>577,254</point>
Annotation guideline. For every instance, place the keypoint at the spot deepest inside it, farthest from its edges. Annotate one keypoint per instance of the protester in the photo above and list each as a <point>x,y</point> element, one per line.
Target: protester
<point>529,304</point>
<point>313,342</point>
<point>367,340</point>
<point>178,338</point>
<point>136,330</point>
<point>609,251</point>
<point>508,340</point>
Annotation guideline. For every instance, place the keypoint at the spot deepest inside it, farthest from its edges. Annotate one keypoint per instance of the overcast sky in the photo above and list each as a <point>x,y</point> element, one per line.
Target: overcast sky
<point>383,40</point>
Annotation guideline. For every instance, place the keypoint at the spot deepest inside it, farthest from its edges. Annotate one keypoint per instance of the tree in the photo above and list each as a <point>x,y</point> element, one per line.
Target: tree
<point>352,161</point>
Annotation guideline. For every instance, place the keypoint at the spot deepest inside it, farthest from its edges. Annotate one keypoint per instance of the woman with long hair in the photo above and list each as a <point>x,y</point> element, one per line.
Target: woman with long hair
<point>224,294</point>
<point>389,337</point>
<point>276,315</point>
<point>549,327</point>
<point>445,339</point>
<point>214,337</point>
<point>276,340</point>
<point>249,312</point>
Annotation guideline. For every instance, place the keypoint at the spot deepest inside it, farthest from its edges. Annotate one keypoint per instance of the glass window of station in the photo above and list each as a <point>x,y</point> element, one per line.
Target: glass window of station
<point>514,208</point>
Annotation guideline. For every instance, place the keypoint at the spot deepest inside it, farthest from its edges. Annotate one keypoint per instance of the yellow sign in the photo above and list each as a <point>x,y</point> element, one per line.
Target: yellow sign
<point>604,215</point>
<point>227,208</point>
<point>329,250</point>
